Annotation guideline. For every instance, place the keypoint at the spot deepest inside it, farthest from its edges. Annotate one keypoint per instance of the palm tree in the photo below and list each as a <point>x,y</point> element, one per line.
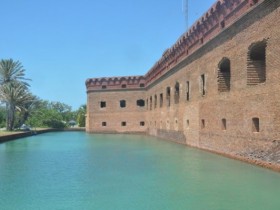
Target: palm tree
<point>12,72</point>
<point>13,88</point>
<point>16,97</point>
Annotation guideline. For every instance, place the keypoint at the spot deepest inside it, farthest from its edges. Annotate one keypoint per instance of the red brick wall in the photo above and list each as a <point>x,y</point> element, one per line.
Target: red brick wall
<point>245,25</point>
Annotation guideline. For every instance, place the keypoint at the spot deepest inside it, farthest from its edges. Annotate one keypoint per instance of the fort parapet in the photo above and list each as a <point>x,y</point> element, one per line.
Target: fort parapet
<point>217,88</point>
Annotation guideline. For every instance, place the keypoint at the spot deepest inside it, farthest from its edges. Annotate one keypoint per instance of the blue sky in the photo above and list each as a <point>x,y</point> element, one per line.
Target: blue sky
<point>61,43</point>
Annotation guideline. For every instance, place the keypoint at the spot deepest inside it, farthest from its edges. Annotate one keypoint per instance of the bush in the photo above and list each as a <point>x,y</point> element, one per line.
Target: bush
<point>53,123</point>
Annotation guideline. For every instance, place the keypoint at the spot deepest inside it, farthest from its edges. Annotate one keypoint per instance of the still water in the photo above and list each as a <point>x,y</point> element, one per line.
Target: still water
<point>75,170</point>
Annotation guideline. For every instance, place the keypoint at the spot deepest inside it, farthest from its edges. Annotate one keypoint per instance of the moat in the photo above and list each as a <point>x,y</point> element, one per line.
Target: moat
<point>76,170</point>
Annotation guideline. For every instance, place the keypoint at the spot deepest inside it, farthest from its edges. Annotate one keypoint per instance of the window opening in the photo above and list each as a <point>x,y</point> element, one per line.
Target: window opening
<point>224,124</point>
<point>122,103</point>
<point>168,96</point>
<point>202,85</point>
<point>202,124</point>
<point>188,90</point>
<point>140,102</point>
<point>102,104</point>
<point>256,124</point>
<point>224,75</point>
<point>123,123</point>
<point>256,64</point>
<point>177,93</point>
<point>161,100</point>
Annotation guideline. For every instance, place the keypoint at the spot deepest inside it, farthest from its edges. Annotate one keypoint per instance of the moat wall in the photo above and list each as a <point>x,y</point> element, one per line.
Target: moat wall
<point>223,96</point>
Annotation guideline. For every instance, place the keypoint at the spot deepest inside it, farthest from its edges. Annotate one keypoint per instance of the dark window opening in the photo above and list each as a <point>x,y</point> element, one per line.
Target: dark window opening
<point>188,123</point>
<point>177,93</point>
<point>123,123</point>
<point>147,101</point>
<point>140,103</point>
<point>224,75</point>
<point>161,100</point>
<point>202,84</point>
<point>201,40</point>
<point>124,86</point>
<point>202,124</point>
<point>255,124</point>
<point>142,123</point>
<point>188,91</point>
<point>155,101</point>
<point>224,124</point>
<point>104,124</point>
<point>151,103</point>
<point>104,87</point>
<point>142,85</point>
<point>222,24</point>
<point>168,96</point>
<point>256,65</point>
<point>102,104</point>
<point>122,103</point>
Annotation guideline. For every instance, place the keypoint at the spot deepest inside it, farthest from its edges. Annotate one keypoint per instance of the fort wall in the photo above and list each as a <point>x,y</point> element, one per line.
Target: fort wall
<point>217,88</point>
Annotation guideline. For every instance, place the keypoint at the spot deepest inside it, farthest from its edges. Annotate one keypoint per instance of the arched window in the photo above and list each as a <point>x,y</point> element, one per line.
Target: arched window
<point>224,75</point>
<point>256,64</point>
<point>177,93</point>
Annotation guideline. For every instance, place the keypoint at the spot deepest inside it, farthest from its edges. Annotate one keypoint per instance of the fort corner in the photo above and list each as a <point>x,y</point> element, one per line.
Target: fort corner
<point>217,88</point>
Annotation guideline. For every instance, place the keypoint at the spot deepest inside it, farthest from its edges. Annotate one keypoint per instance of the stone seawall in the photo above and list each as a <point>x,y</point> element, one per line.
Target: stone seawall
<point>14,136</point>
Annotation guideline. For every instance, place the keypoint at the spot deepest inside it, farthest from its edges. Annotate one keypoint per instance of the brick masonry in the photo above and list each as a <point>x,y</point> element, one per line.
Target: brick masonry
<point>223,76</point>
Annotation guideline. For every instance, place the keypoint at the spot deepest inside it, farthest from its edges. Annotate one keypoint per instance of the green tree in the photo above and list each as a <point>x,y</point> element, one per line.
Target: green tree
<point>13,88</point>
<point>81,116</point>
<point>16,96</point>
<point>12,72</point>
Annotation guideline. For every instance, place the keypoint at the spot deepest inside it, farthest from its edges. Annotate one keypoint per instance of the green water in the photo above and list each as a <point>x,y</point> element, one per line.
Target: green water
<point>75,170</point>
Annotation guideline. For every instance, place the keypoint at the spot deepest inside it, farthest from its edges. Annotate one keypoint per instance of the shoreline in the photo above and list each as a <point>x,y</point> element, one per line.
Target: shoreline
<point>21,134</point>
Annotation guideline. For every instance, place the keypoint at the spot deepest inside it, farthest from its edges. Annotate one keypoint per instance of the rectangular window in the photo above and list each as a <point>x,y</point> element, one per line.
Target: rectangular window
<point>224,124</point>
<point>104,87</point>
<point>155,101</point>
<point>124,86</point>
<point>161,100</point>
<point>151,103</point>
<point>104,124</point>
<point>188,91</point>
<point>123,123</point>
<point>122,103</point>
<point>255,124</point>
<point>142,123</point>
<point>102,104</point>
<point>202,84</point>
<point>188,124</point>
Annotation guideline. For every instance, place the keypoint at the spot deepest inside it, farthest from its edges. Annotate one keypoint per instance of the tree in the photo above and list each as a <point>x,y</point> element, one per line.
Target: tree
<point>81,118</point>
<point>16,96</point>
<point>12,72</point>
<point>13,88</point>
